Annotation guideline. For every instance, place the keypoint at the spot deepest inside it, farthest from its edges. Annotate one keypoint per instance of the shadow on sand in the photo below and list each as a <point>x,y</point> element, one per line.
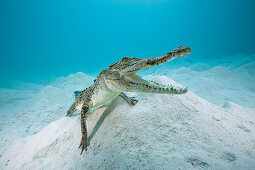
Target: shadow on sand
<point>107,111</point>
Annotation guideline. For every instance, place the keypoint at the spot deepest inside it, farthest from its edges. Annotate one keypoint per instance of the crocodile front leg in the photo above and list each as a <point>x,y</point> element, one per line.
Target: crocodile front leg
<point>84,140</point>
<point>131,100</point>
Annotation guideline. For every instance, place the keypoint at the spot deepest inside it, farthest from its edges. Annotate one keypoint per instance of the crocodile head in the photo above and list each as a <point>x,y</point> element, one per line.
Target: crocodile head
<point>122,75</point>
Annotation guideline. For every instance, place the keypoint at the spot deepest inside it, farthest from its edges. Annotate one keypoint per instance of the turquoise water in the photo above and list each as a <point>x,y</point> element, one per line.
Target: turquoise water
<point>41,40</point>
<point>51,48</point>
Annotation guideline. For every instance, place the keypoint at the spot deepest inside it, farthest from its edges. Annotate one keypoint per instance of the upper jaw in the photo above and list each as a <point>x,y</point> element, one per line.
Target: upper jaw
<point>176,53</point>
<point>138,66</point>
<point>145,63</point>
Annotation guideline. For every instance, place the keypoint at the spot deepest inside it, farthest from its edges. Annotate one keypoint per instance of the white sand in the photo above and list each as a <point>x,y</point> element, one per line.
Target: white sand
<point>216,84</point>
<point>160,132</point>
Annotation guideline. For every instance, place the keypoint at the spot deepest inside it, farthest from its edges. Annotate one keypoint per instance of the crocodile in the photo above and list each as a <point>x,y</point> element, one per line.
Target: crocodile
<point>121,77</point>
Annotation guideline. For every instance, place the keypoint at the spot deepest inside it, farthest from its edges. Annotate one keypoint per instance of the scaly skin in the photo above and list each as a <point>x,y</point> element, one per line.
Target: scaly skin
<point>121,77</point>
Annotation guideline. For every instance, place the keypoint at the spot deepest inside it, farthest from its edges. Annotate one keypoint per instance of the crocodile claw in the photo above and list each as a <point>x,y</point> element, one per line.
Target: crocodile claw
<point>133,101</point>
<point>84,144</point>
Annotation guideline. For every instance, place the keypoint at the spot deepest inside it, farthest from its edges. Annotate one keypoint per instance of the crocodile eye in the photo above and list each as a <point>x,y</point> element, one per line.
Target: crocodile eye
<point>124,59</point>
<point>115,75</point>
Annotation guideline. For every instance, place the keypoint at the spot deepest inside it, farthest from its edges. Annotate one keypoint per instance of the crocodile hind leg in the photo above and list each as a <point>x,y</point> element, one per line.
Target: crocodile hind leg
<point>131,100</point>
<point>71,110</point>
<point>84,140</point>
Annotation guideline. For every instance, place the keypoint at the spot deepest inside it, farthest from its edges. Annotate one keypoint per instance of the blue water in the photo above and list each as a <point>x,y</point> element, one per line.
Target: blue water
<point>40,40</point>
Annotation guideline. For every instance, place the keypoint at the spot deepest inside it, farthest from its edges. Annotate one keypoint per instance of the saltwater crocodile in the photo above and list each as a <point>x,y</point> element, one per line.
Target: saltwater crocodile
<point>121,77</point>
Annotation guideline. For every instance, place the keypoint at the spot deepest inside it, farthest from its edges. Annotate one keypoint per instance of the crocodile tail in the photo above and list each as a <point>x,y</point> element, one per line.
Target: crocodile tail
<point>71,110</point>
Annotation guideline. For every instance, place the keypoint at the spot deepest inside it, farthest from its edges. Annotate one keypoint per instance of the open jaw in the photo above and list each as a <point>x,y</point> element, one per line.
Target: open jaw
<point>134,83</point>
<point>126,80</point>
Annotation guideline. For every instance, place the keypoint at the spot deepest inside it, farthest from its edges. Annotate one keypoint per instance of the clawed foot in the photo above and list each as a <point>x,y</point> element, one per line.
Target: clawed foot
<point>132,101</point>
<point>84,144</point>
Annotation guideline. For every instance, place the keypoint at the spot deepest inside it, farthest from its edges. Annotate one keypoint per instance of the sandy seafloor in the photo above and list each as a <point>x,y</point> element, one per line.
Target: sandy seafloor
<point>210,127</point>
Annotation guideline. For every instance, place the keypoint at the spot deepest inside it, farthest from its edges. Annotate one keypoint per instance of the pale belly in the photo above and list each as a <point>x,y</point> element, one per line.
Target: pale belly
<point>103,96</point>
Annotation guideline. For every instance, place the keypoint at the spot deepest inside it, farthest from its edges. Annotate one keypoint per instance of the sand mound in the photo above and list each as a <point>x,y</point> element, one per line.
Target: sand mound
<point>217,84</point>
<point>74,82</point>
<point>160,132</point>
